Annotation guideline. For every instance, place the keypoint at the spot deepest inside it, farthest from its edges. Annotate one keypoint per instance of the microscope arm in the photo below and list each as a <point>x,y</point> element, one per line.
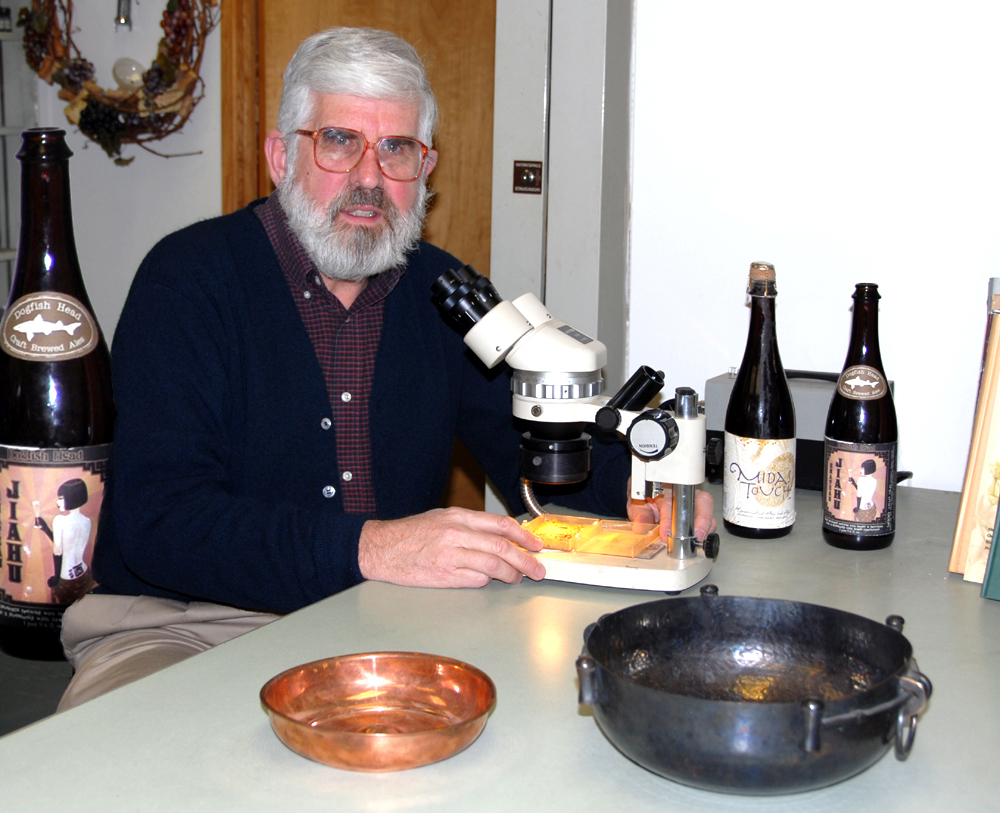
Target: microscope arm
<point>666,447</point>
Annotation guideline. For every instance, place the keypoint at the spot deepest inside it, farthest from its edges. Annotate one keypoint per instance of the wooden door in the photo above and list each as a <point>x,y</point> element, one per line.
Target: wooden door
<point>456,40</point>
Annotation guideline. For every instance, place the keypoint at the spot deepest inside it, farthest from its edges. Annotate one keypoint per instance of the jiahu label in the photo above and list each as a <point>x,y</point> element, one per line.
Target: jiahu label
<point>759,482</point>
<point>859,496</point>
<point>51,501</point>
<point>48,326</point>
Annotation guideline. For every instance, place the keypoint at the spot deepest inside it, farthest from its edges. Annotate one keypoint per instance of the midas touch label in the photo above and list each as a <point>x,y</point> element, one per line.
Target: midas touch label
<point>759,482</point>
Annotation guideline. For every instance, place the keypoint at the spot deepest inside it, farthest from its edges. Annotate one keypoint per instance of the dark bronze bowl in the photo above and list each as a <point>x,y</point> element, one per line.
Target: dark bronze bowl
<point>379,711</point>
<point>751,696</point>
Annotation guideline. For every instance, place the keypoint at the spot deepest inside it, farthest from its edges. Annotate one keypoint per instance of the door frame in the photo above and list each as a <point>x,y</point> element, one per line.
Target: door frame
<point>241,142</point>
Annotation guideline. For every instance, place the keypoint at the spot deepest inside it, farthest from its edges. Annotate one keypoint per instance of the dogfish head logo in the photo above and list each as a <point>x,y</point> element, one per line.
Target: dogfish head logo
<point>48,326</point>
<point>862,383</point>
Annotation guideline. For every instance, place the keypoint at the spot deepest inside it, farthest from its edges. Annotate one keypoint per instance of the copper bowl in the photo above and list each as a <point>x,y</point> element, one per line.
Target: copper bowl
<point>379,711</point>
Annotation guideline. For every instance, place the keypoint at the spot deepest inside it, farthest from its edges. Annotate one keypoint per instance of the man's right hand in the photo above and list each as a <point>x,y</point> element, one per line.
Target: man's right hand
<point>448,547</point>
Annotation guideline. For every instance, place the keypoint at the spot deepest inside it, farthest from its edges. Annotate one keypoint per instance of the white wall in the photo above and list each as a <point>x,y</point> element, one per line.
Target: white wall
<point>848,142</point>
<point>120,212</point>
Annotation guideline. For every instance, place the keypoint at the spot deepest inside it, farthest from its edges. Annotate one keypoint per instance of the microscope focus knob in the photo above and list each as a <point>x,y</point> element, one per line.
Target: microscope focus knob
<point>653,435</point>
<point>714,451</point>
<point>608,418</point>
<point>710,546</point>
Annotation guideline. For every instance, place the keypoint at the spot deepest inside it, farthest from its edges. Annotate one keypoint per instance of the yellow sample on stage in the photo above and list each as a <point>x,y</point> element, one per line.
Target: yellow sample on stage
<point>595,536</point>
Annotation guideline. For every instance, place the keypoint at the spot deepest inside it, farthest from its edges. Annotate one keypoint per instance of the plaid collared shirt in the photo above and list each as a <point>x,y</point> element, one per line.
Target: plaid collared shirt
<point>346,342</point>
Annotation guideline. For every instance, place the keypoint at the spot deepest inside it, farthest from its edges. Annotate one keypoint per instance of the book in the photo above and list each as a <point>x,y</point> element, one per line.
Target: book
<point>991,576</point>
<point>992,309</point>
<point>981,490</point>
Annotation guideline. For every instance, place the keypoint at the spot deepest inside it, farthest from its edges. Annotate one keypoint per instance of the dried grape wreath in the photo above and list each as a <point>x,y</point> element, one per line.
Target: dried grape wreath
<point>131,115</point>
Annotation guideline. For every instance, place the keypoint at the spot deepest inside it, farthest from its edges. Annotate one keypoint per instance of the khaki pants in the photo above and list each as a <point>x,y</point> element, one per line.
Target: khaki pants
<point>114,640</point>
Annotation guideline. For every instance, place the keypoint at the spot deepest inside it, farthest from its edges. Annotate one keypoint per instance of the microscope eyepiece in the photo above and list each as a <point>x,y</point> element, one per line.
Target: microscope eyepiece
<point>464,296</point>
<point>638,390</point>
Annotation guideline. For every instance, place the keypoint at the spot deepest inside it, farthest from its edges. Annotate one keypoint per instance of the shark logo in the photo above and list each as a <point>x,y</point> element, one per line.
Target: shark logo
<point>49,326</point>
<point>40,325</point>
<point>862,383</point>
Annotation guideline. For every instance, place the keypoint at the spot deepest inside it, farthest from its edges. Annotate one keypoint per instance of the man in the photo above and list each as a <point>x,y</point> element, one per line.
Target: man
<point>288,395</point>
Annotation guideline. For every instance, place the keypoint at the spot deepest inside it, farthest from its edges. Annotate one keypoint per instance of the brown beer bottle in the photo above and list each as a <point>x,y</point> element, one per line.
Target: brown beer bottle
<point>56,413</point>
<point>758,481</point>
<point>859,472</point>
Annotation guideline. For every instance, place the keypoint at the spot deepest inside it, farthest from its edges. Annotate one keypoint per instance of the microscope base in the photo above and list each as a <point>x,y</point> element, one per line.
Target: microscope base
<point>661,573</point>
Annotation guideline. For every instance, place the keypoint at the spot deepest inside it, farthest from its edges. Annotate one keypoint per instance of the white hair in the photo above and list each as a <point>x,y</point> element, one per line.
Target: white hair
<point>364,62</point>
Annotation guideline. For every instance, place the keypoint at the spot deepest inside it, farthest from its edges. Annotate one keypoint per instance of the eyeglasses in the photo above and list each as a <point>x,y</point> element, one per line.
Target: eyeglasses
<point>337,149</point>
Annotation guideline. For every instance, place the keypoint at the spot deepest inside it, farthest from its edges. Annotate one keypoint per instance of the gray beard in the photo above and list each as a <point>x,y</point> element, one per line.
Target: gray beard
<point>348,252</point>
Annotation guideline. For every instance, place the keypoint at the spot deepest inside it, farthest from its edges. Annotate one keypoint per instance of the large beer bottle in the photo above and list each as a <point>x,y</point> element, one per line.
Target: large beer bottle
<point>758,482</point>
<point>56,413</point>
<point>859,472</point>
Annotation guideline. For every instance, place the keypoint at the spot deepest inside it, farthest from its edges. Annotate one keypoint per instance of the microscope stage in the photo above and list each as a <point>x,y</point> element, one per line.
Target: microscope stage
<point>661,572</point>
<point>613,553</point>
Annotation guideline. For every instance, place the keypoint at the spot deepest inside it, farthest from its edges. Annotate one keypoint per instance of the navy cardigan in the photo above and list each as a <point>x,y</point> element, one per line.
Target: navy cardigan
<point>223,462</point>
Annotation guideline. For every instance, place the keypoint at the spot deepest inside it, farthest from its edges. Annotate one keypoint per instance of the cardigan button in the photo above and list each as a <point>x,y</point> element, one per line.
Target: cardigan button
<point>329,491</point>
<point>326,423</point>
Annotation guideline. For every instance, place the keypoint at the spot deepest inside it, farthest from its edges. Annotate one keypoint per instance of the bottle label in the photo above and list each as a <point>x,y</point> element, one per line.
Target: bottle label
<point>862,383</point>
<point>758,484</point>
<point>48,326</point>
<point>51,501</point>
<point>859,488</point>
